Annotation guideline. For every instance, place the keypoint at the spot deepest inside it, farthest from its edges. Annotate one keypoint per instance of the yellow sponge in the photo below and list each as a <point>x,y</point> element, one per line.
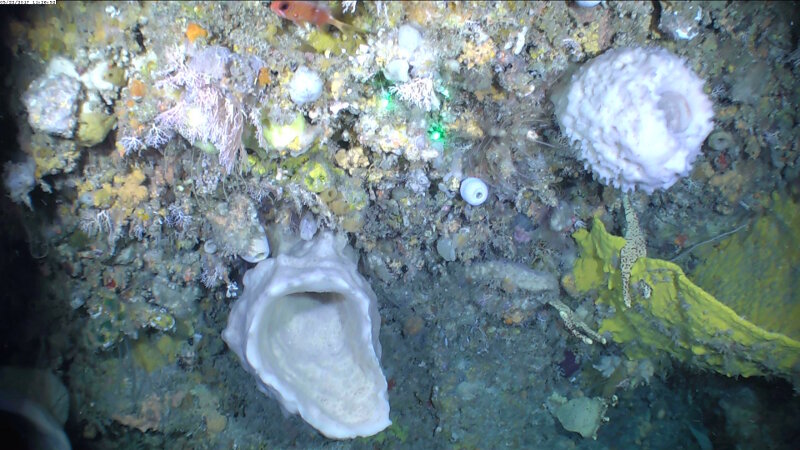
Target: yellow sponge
<point>672,315</point>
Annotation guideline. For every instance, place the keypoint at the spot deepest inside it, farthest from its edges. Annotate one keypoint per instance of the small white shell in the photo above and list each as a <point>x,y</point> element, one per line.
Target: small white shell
<point>474,191</point>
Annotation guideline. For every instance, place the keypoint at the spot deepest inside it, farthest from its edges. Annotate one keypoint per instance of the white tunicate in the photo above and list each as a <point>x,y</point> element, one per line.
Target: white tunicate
<point>583,415</point>
<point>308,226</point>
<point>19,179</point>
<point>258,250</point>
<point>474,191</point>
<point>446,249</point>
<point>305,86</point>
<point>608,365</point>
<point>681,22</point>
<point>212,62</point>
<point>417,182</point>
<point>77,301</point>
<point>561,217</point>
<point>408,38</point>
<point>587,3</point>
<point>210,247</point>
<point>396,71</point>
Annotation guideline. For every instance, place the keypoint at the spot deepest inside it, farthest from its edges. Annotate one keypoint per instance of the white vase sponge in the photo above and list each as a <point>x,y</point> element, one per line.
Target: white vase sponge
<point>306,326</point>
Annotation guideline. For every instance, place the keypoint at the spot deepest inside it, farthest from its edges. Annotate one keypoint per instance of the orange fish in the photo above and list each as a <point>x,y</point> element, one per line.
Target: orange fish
<point>306,12</point>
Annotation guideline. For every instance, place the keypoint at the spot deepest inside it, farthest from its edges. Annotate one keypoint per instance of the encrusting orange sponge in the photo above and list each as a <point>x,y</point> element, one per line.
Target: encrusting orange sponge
<point>194,31</point>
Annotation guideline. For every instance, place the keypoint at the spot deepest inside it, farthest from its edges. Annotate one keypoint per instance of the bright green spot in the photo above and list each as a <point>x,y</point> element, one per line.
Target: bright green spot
<point>103,197</point>
<point>321,42</point>
<point>436,132</point>
<point>398,432</point>
<point>386,102</point>
<point>115,76</point>
<point>293,164</point>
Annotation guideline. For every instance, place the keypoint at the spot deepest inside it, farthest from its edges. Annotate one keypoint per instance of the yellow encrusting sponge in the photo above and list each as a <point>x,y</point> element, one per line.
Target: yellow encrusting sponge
<point>673,315</point>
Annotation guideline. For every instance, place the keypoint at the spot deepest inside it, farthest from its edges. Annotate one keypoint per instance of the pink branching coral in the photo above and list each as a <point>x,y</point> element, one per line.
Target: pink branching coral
<point>206,112</point>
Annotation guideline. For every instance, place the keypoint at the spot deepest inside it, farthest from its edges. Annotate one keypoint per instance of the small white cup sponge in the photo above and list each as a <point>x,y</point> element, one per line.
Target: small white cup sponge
<point>640,115</point>
<point>474,191</point>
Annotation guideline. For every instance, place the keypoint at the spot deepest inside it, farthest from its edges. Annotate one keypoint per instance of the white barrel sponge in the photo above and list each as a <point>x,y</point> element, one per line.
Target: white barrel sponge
<point>306,326</point>
<point>640,115</point>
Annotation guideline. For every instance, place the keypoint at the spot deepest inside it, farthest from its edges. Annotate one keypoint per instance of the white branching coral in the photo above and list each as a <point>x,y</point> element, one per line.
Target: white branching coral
<point>131,144</point>
<point>349,6</point>
<point>95,222</point>
<point>418,92</point>
<point>575,325</point>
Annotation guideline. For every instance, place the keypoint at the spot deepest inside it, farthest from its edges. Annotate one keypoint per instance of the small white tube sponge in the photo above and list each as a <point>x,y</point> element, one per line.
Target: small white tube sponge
<point>640,115</point>
<point>306,326</point>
